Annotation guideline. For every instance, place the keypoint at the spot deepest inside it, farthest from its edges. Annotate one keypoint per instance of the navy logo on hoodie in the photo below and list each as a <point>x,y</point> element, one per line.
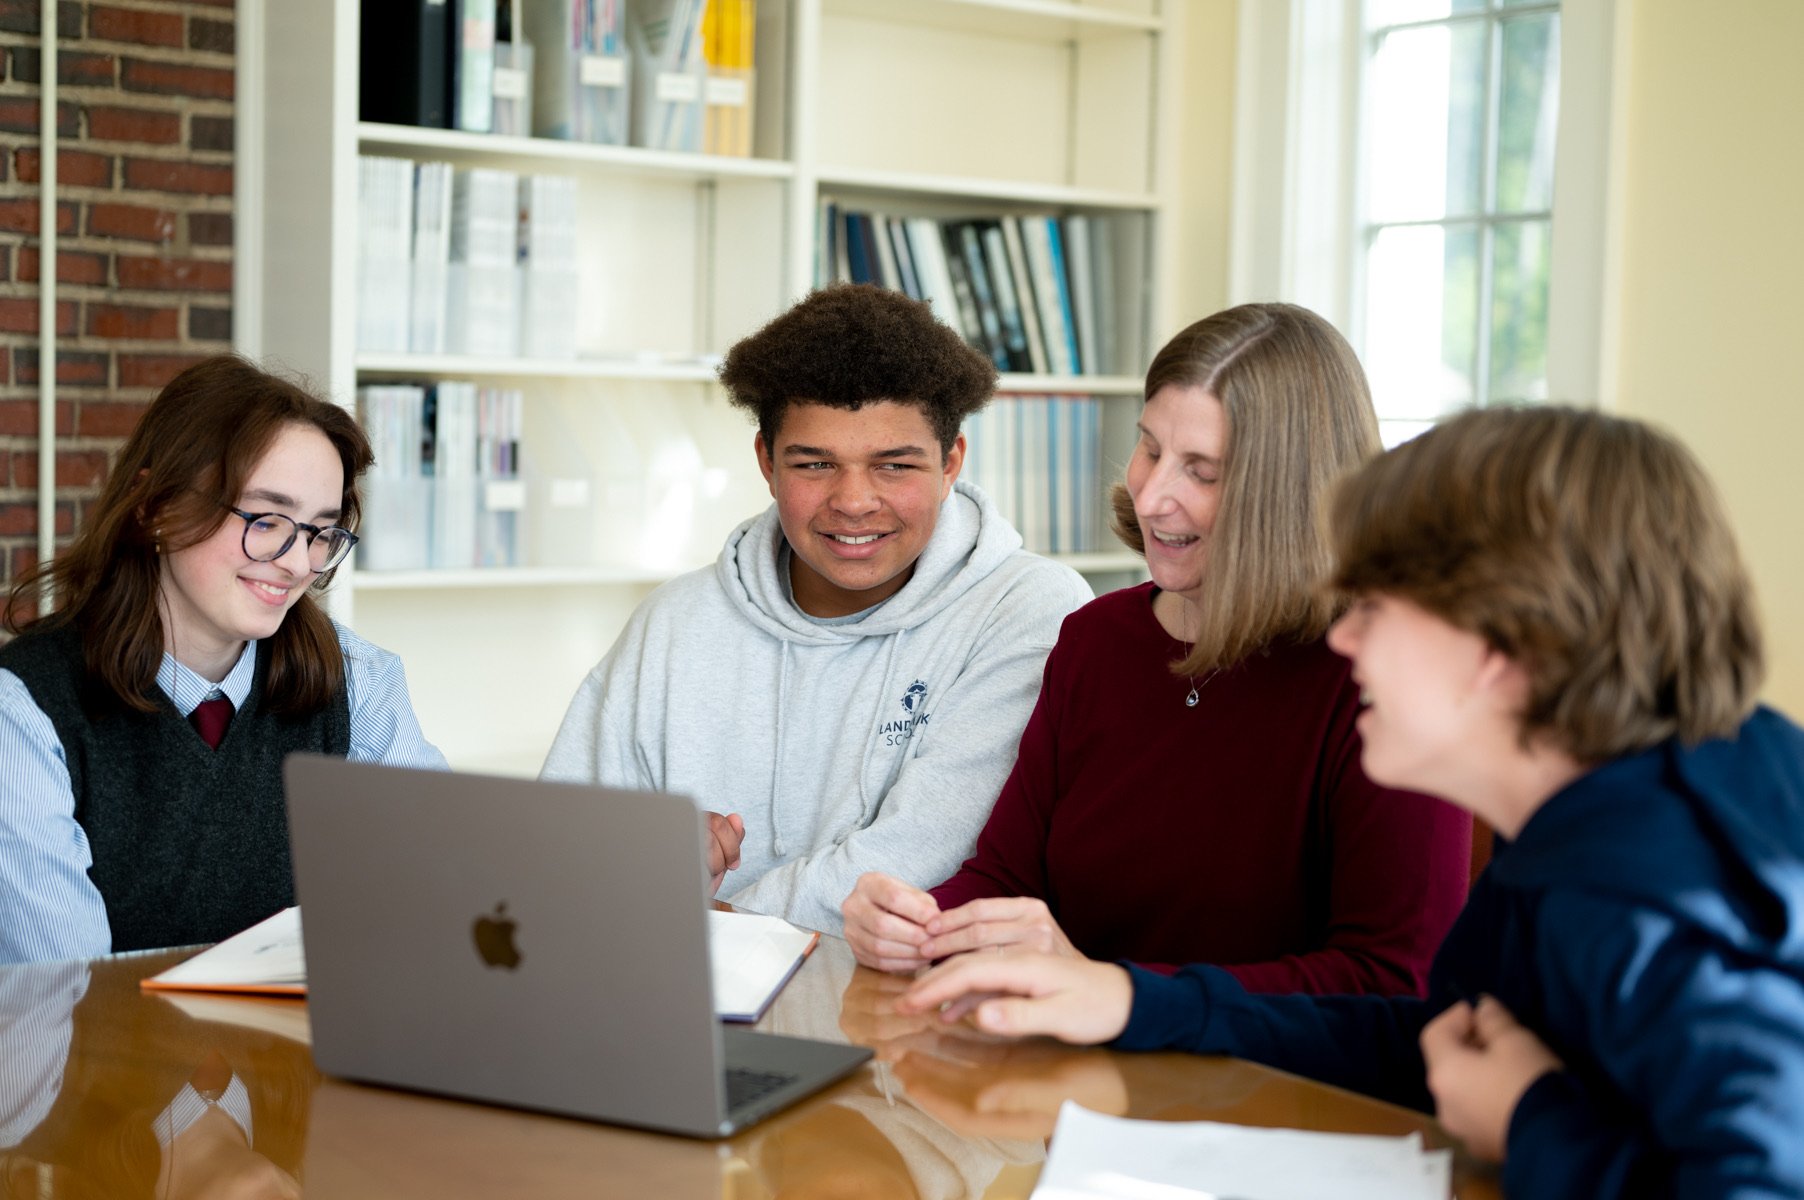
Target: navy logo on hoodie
<point>896,733</point>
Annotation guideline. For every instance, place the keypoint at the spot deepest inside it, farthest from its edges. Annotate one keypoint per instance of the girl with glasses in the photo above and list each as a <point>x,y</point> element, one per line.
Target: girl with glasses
<point>144,719</point>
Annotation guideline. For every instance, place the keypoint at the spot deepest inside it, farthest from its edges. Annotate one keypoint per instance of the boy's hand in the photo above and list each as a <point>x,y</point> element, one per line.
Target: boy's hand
<point>886,922</point>
<point>1015,994</point>
<point>724,835</point>
<point>1018,921</point>
<point>1480,1061</point>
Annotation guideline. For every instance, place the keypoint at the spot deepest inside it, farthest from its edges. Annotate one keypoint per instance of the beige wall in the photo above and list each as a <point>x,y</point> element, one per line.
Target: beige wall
<point>1205,159</point>
<point>1712,288</point>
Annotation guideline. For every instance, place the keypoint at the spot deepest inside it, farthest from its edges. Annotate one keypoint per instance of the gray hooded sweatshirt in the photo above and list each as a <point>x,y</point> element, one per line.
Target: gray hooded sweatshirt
<point>877,744</point>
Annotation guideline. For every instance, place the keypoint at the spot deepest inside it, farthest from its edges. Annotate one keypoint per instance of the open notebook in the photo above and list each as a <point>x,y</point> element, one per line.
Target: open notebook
<point>752,957</point>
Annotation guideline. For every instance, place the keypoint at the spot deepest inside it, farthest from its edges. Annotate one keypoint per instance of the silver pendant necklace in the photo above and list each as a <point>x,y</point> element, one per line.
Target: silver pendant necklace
<point>1190,700</point>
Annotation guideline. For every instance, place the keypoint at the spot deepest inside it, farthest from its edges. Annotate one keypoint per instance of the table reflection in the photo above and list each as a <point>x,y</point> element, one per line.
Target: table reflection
<point>108,1091</point>
<point>165,1104</point>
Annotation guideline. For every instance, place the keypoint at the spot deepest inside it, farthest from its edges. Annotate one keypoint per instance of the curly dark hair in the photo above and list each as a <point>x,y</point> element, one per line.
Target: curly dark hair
<point>854,344</point>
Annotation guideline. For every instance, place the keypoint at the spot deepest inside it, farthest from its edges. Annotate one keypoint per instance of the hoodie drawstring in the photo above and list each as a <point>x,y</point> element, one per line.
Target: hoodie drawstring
<point>883,692</point>
<point>776,770</point>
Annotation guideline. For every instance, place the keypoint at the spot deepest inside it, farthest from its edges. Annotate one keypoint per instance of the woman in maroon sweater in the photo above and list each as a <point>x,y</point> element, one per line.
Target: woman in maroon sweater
<point>1188,787</point>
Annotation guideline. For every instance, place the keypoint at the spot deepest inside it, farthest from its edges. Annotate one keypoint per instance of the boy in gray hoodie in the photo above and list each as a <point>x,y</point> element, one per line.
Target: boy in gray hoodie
<point>844,689</point>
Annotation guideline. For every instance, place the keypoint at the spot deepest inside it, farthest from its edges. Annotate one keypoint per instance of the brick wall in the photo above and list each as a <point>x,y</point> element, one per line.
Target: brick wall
<point>144,216</point>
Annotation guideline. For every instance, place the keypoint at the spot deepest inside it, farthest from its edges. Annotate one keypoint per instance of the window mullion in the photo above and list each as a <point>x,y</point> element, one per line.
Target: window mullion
<point>1487,191</point>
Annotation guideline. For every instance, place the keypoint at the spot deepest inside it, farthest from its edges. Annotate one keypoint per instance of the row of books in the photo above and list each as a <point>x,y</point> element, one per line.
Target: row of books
<point>446,488</point>
<point>472,261</point>
<point>669,74</point>
<point>1039,459</point>
<point>1039,294</point>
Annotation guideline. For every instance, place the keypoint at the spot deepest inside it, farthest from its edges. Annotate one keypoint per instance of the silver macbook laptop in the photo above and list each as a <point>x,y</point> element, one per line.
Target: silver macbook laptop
<point>535,944</point>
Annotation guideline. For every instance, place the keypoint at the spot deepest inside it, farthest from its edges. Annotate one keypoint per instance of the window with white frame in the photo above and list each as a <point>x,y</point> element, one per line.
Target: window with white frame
<point>1455,167</point>
<point>1435,177</point>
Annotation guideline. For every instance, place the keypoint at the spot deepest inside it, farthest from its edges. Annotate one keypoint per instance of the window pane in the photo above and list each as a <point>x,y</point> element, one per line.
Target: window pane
<point>1401,12</point>
<point>1528,113</point>
<point>1421,310</point>
<point>1426,122</point>
<point>1519,269</point>
<point>1394,433</point>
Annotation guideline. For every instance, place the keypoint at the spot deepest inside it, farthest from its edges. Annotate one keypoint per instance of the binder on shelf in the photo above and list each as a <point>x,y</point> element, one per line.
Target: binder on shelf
<point>970,324</point>
<point>1055,240</point>
<point>451,420</point>
<point>989,323</point>
<point>1049,294</point>
<point>1008,308</point>
<point>384,253</point>
<point>669,73</point>
<point>1082,289</point>
<point>473,66</point>
<point>431,256</point>
<point>929,256</point>
<point>483,309</point>
<point>501,507</point>
<point>397,497</point>
<point>547,257</point>
<point>581,69</point>
<point>1016,254</point>
<point>728,36</point>
<point>405,67</point>
<point>512,88</point>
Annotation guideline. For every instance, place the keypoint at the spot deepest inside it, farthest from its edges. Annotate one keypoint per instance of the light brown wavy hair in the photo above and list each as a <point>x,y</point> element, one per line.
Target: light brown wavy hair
<point>1591,549</point>
<point>188,458</point>
<point>1299,415</point>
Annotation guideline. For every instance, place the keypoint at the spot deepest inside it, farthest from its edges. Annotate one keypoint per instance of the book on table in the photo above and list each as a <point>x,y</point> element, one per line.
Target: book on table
<point>752,957</point>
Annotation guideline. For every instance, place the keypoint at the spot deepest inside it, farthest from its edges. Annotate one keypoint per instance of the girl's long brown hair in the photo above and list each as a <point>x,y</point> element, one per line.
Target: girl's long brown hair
<point>189,457</point>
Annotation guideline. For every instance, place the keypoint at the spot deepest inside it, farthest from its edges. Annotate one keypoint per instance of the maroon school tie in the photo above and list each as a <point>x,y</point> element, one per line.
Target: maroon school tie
<point>210,718</point>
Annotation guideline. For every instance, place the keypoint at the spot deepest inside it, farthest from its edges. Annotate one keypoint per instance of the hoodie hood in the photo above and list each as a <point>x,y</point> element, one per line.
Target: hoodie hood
<point>970,540</point>
<point>1711,834</point>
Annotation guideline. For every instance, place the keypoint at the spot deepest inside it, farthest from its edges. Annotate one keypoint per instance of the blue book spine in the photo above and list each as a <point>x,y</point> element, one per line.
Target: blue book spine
<point>1064,279</point>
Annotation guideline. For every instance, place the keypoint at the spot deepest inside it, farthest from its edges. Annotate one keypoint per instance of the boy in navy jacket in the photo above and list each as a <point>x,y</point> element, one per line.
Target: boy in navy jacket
<point>1552,628</point>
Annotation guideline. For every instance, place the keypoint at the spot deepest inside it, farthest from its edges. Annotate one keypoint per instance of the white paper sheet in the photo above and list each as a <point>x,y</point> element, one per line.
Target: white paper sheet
<point>752,957</point>
<point>266,954</point>
<point>1095,1157</point>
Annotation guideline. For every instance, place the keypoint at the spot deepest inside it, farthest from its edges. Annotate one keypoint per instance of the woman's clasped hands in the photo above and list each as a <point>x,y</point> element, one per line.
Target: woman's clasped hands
<point>893,926</point>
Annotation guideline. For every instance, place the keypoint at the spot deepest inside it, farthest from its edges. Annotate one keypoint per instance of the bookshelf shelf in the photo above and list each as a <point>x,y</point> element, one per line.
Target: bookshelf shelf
<point>1102,562</point>
<point>514,577</point>
<point>647,370</point>
<point>1075,385</point>
<point>950,111</point>
<point>1001,194</point>
<point>1050,20</point>
<point>549,154</point>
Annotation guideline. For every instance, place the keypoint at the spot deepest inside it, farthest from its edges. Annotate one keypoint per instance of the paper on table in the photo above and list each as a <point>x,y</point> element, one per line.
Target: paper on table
<point>1094,1157</point>
<point>264,958</point>
<point>752,958</point>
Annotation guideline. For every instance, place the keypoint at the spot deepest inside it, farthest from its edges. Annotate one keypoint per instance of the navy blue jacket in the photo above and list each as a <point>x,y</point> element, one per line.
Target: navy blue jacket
<point>1648,924</point>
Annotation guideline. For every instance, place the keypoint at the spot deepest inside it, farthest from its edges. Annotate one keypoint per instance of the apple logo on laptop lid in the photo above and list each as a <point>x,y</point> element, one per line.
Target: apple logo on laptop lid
<point>495,938</point>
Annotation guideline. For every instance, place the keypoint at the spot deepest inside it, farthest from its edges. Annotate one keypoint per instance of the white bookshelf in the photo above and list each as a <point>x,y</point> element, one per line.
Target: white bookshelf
<point>934,107</point>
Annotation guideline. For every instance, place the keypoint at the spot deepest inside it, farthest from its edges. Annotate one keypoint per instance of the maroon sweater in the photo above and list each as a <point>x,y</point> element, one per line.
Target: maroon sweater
<point>1241,832</point>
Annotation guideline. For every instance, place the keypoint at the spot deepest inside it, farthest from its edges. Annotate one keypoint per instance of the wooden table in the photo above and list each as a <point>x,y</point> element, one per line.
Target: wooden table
<point>88,1062</point>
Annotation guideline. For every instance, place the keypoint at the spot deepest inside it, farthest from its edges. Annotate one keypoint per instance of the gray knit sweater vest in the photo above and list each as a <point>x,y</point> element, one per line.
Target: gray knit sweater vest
<point>190,844</point>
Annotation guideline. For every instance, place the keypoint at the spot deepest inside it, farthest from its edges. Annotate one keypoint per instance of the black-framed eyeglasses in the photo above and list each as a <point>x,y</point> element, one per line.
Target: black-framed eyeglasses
<point>268,536</point>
